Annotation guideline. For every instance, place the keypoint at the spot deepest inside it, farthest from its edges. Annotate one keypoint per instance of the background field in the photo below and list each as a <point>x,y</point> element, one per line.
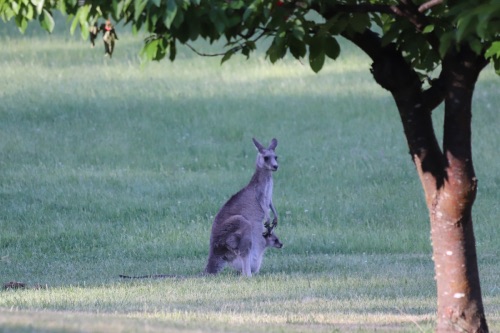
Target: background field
<point>109,167</point>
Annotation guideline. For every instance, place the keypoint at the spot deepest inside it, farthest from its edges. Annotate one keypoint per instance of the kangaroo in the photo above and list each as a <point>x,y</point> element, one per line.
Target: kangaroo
<point>237,229</point>
<point>236,255</point>
<point>233,243</point>
<point>237,236</point>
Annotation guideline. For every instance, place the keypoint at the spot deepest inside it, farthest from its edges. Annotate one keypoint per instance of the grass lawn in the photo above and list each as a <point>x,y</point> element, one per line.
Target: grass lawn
<point>108,167</point>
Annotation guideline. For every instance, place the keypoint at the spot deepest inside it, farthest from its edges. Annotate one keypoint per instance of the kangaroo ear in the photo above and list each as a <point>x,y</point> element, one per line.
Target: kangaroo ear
<point>259,147</point>
<point>273,144</point>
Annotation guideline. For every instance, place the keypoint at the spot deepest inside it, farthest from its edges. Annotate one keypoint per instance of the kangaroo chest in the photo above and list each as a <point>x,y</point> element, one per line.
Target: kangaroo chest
<point>264,195</point>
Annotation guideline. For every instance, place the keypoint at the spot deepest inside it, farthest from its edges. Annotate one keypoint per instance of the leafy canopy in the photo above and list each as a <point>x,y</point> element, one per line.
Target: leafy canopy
<point>425,31</point>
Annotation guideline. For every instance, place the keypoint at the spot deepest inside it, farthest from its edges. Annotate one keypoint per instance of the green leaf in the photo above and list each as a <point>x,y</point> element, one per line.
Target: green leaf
<point>476,45</point>
<point>249,12</point>
<point>139,6</point>
<point>317,61</point>
<point>7,14</point>
<point>317,52</point>
<point>179,19</point>
<point>126,4</point>
<point>390,35</point>
<point>84,31</point>
<point>15,7</point>
<point>39,5</point>
<point>298,30</point>
<point>61,6</point>
<point>83,14</point>
<point>428,29</point>
<point>74,23</point>
<point>171,12</point>
<point>120,5</point>
<point>29,12</point>
<point>153,50</point>
<point>496,64</point>
<point>337,24</point>
<point>332,47</point>
<point>248,47</point>
<point>218,19</point>
<point>193,25</point>
<point>317,43</point>
<point>22,23</point>
<point>360,22</point>
<point>173,50</point>
<point>47,21</point>
<point>297,48</point>
<point>277,49</point>
<point>157,3</point>
<point>465,26</point>
<point>227,56</point>
<point>251,45</point>
<point>493,51</point>
<point>153,18</point>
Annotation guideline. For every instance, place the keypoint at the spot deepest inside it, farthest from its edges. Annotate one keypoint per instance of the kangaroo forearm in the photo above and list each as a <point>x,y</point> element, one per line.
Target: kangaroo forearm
<point>275,213</point>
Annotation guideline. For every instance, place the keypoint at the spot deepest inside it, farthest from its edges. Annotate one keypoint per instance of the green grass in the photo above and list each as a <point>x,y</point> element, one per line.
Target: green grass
<point>109,167</point>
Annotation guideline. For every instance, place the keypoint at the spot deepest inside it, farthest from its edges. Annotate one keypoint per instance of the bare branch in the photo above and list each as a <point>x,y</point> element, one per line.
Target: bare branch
<point>409,10</point>
<point>429,5</point>
<point>207,54</point>
<point>233,49</point>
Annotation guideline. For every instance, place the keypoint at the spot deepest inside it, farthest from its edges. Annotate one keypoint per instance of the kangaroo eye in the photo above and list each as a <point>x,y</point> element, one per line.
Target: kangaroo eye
<point>266,158</point>
<point>276,157</point>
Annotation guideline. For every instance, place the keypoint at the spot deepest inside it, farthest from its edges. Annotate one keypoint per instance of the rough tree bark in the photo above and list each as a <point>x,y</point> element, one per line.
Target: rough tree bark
<point>447,175</point>
<point>460,306</point>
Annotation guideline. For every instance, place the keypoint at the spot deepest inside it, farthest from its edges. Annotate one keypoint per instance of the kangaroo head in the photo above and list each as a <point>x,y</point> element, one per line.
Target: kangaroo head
<point>266,157</point>
<point>272,240</point>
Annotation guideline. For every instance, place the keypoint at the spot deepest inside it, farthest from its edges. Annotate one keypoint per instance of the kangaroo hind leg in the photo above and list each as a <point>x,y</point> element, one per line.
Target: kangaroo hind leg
<point>245,256</point>
<point>215,264</point>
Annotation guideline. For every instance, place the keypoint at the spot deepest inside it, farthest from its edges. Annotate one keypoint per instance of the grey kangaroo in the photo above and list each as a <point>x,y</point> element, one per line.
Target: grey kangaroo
<point>235,243</point>
<point>239,237</point>
<point>237,229</point>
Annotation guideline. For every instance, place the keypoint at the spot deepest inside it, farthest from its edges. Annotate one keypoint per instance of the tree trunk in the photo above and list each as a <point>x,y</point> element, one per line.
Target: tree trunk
<point>447,175</point>
<point>460,306</point>
<point>450,187</point>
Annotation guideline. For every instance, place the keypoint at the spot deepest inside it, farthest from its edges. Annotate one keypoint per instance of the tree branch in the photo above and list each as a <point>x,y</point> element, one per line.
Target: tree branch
<point>209,54</point>
<point>434,95</point>
<point>429,4</point>
<point>405,9</point>
<point>233,49</point>
<point>409,10</point>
